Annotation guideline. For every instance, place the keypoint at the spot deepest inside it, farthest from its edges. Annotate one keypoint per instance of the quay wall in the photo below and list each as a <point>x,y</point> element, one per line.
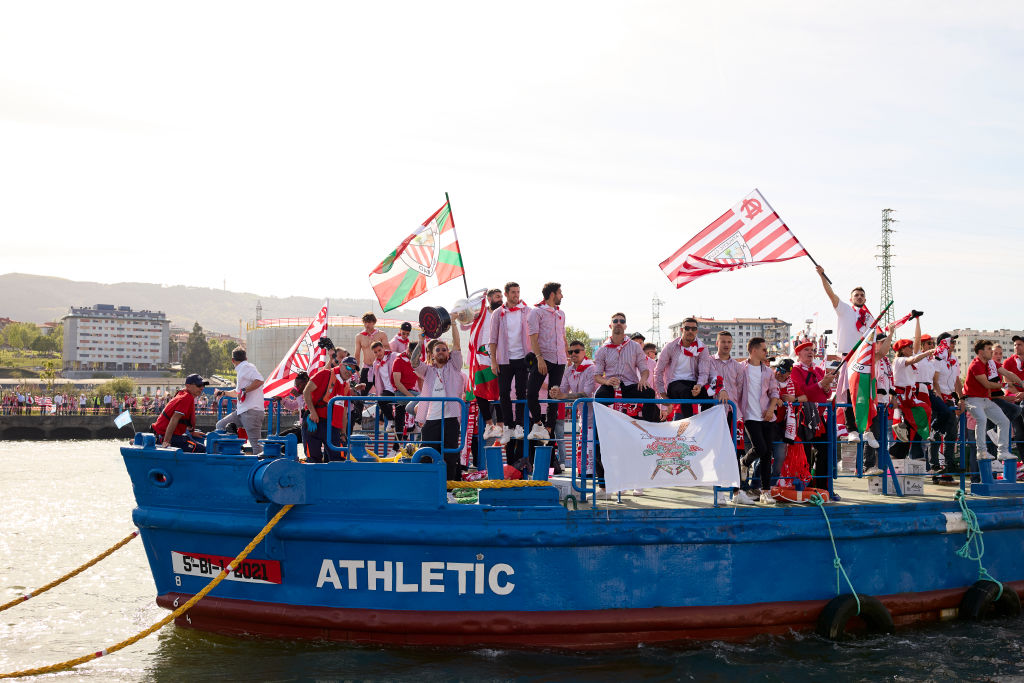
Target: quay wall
<point>59,427</point>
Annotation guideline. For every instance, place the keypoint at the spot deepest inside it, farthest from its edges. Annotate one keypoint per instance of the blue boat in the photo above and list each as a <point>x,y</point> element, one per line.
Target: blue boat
<point>375,553</point>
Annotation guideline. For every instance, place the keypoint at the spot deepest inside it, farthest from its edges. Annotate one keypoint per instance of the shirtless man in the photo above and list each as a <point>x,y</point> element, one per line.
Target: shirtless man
<point>364,354</point>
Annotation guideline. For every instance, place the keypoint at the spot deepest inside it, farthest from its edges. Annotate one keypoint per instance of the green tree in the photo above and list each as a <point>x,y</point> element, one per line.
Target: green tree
<point>575,334</point>
<point>21,335</point>
<point>197,356</point>
<point>44,343</point>
<point>118,386</point>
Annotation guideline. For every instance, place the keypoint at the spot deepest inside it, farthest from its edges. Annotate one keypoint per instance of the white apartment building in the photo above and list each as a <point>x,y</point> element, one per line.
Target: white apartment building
<point>106,338</point>
<point>775,331</point>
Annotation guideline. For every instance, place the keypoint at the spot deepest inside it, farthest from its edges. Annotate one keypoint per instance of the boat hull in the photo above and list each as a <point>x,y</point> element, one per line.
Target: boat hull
<point>373,553</point>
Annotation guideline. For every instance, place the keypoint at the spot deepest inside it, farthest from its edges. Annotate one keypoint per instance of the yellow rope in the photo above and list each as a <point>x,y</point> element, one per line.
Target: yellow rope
<point>75,572</point>
<point>62,666</point>
<point>496,484</point>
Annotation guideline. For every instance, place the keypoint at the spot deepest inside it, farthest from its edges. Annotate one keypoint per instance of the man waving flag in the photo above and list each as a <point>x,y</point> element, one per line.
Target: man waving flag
<point>748,234</point>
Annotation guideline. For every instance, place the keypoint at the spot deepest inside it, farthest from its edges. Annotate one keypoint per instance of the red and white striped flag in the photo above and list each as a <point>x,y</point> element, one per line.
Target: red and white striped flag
<point>304,356</point>
<point>748,234</point>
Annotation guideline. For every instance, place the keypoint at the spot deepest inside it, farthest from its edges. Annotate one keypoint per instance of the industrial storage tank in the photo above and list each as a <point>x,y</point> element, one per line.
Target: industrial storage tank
<point>268,340</point>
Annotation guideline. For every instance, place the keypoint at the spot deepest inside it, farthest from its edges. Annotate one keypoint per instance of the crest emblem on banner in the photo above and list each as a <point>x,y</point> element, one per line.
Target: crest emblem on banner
<point>734,248</point>
<point>421,253</point>
<point>672,453</point>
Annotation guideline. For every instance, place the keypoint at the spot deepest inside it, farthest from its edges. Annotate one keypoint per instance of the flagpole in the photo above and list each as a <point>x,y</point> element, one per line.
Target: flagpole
<point>451,214</point>
<point>794,236</point>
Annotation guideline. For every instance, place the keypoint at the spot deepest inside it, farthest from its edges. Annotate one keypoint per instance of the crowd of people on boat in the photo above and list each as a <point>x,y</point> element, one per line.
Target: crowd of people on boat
<point>525,370</point>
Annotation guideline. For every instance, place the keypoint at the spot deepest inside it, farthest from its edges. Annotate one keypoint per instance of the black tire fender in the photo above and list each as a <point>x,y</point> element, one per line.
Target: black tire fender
<point>980,602</point>
<point>837,613</point>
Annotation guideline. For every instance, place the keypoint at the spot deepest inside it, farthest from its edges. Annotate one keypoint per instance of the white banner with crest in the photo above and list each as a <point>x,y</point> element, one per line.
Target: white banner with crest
<point>697,451</point>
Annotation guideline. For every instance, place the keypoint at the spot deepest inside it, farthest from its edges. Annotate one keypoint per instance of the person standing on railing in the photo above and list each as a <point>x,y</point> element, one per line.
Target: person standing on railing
<point>757,396</point>
<point>546,326</point>
<point>620,364</point>
<point>443,378</point>
<point>683,368</point>
<point>508,345</point>
<point>814,385</point>
<point>248,412</point>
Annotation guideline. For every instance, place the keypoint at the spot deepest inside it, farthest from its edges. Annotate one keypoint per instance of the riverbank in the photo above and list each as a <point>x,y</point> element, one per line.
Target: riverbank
<point>61,427</point>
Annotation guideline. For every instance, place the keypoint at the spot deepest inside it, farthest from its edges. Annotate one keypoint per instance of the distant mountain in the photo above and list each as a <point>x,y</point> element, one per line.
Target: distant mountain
<point>39,299</point>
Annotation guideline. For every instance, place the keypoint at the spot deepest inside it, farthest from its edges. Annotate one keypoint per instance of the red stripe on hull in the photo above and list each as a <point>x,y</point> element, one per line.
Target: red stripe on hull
<point>567,630</point>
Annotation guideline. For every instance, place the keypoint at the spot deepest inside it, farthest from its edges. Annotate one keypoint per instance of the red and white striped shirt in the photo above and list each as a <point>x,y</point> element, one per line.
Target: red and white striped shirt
<point>627,361</point>
<point>549,325</point>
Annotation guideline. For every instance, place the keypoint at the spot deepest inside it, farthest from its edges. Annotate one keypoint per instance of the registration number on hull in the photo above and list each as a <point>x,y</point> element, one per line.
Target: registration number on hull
<point>250,571</point>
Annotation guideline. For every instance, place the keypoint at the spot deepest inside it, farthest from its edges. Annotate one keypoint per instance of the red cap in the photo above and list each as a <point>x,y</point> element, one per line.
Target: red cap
<point>901,344</point>
<point>926,337</point>
<point>805,345</point>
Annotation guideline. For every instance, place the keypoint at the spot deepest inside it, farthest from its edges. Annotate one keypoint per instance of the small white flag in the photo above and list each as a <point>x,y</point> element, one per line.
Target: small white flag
<point>697,451</point>
<point>122,419</point>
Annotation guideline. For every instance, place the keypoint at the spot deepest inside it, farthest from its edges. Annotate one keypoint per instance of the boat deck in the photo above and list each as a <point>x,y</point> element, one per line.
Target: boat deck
<point>852,491</point>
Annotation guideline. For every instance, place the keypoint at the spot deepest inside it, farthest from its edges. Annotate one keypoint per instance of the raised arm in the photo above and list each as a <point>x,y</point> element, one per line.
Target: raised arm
<point>828,288</point>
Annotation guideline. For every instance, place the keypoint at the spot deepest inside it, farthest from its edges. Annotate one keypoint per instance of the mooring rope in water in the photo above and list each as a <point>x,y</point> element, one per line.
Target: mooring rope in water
<point>71,663</point>
<point>974,541</point>
<point>496,484</point>
<point>72,573</point>
<point>837,563</point>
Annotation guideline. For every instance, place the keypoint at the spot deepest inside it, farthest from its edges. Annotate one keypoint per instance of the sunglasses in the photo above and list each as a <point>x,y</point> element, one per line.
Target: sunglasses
<point>618,321</point>
<point>690,328</point>
<point>575,351</point>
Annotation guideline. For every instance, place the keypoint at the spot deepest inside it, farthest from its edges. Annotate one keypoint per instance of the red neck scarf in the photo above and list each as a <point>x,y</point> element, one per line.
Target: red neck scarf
<point>367,333</point>
<point>518,307</point>
<point>584,364</point>
<point>863,316</point>
<point>700,348</point>
<point>618,347</point>
<point>403,342</point>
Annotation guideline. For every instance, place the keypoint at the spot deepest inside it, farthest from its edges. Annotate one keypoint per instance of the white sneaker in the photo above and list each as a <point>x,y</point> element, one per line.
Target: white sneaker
<point>601,494</point>
<point>741,498</point>
<point>985,455</point>
<point>870,439</point>
<point>872,472</point>
<point>517,433</point>
<point>767,499</point>
<point>853,437</point>
<point>506,435</point>
<point>538,433</point>
<point>638,492</point>
<point>390,428</point>
<point>493,432</point>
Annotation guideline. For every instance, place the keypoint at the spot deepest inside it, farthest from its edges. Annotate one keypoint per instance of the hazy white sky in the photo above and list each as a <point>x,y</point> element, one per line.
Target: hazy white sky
<point>288,147</point>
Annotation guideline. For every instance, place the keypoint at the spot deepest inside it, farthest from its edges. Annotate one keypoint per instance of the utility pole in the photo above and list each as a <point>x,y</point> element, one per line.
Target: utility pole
<point>656,304</point>
<point>886,267</point>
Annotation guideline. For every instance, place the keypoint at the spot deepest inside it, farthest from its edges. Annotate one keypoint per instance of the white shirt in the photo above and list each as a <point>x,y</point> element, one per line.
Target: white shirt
<point>903,375</point>
<point>947,377</point>
<point>514,333</point>
<point>847,333</point>
<point>752,410</point>
<point>81,400</point>
<point>434,408</point>
<point>926,370</point>
<point>246,374</point>
<point>686,369</point>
